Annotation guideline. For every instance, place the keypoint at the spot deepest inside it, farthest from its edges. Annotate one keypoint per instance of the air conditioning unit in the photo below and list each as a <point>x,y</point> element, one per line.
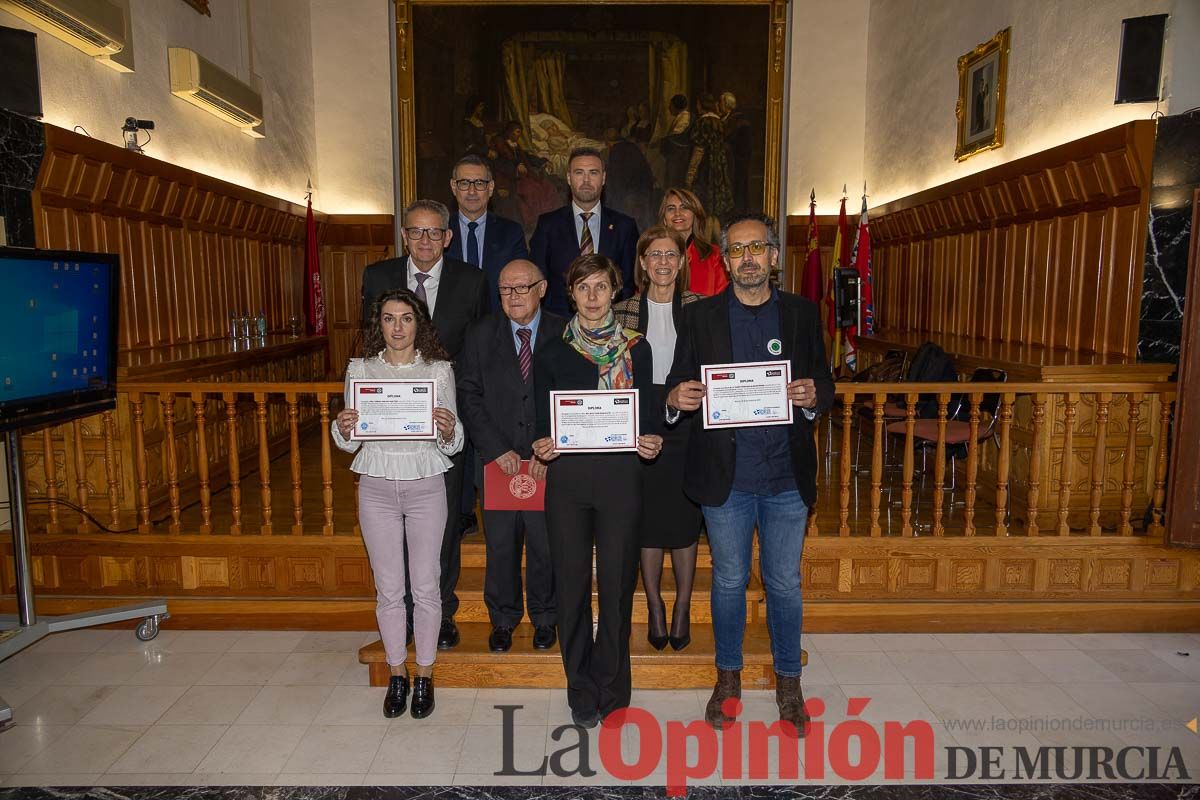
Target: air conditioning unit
<point>97,27</point>
<point>207,86</point>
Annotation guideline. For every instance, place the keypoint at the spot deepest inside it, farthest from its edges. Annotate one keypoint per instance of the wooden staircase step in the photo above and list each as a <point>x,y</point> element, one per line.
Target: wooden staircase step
<point>474,553</point>
<point>472,608</point>
<point>471,664</point>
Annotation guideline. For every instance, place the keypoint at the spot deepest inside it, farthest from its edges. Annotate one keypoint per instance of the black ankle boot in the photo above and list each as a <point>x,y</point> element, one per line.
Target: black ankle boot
<point>422,701</point>
<point>395,702</point>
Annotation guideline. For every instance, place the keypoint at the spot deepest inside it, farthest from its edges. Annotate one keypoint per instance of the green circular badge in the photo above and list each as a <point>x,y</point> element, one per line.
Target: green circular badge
<point>774,347</point>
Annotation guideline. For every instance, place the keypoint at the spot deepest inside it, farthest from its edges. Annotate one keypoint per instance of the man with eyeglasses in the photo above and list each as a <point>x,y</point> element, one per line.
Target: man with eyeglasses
<point>456,294</point>
<point>482,239</point>
<point>755,476</point>
<point>582,227</point>
<point>496,401</point>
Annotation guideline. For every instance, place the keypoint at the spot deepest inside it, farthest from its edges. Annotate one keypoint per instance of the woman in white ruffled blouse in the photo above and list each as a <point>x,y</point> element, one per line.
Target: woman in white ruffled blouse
<point>402,493</point>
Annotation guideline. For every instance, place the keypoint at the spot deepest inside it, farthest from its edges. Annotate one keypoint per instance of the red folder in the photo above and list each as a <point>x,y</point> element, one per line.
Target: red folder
<point>518,492</point>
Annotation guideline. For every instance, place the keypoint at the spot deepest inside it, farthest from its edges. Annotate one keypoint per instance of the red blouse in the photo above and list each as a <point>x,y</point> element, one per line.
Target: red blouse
<point>707,275</point>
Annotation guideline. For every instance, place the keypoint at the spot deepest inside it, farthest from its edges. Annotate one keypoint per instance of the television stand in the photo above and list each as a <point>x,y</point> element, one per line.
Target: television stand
<point>28,628</point>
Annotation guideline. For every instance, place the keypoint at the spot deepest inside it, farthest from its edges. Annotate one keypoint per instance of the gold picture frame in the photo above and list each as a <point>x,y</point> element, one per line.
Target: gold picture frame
<point>982,88</point>
<point>777,43</point>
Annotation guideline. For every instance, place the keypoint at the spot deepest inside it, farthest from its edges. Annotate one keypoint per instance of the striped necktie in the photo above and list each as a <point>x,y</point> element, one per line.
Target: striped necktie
<point>586,245</point>
<point>525,354</point>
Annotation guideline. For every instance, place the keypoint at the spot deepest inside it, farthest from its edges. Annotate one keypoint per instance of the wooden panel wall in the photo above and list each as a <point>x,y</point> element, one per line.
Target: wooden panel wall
<point>1044,250</point>
<point>192,248</point>
<point>348,245</point>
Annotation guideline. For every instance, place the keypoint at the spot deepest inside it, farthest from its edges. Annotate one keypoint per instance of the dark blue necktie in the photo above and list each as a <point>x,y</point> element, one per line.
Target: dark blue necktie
<point>472,244</point>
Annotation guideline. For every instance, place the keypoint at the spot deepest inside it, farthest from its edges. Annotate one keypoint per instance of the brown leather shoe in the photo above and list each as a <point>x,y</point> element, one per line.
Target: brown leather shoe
<point>729,685</point>
<point>790,700</point>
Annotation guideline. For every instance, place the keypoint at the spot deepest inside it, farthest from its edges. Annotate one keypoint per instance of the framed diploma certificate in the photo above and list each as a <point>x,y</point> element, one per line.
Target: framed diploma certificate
<point>745,395</point>
<point>393,409</point>
<point>595,421</point>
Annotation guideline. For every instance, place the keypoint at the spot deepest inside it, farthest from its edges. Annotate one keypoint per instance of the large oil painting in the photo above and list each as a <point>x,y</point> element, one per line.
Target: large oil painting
<point>672,95</point>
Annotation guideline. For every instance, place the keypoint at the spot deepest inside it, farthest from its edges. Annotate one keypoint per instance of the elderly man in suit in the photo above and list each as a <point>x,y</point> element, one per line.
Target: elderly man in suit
<point>456,294</point>
<point>581,227</point>
<point>496,401</point>
<point>482,239</point>
<point>764,476</point>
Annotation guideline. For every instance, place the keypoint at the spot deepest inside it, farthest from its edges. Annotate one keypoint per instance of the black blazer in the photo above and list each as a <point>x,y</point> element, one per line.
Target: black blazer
<point>461,296</point>
<point>503,241</point>
<point>704,338</point>
<point>496,405</point>
<point>554,246</point>
<point>559,366</point>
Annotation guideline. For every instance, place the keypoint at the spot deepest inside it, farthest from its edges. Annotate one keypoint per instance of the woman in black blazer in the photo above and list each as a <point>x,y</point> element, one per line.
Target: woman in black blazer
<point>595,499</point>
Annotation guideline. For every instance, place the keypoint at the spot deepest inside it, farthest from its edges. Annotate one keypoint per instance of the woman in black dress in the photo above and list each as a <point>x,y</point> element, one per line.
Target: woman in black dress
<point>595,499</point>
<point>671,521</point>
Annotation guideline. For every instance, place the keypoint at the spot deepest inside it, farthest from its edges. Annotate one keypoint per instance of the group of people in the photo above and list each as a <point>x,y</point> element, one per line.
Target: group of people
<point>707,148</point>
<point>499,326</point>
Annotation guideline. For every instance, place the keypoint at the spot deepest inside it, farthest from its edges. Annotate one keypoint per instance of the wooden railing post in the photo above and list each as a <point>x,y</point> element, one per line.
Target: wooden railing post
<point>170,457</point>
<point>1035,462</point>
<point>110,471</point>
<point>326,467</point>
<point>264,462</point>
<point>81,490</point>
<point>910,421</point>
<point>1135,410</point>
<point>198,413</point>
<point>1066,469</point>
<point>1003,460</point>
<point>972,466</point>
<point>140,468</point>
<point>1160,462</point>
<point>1099,466</point>
<point>877,463</point>
<point>235,461</point>
<point>939,466</point>
<point>297,493</point>
<point>844,494</point>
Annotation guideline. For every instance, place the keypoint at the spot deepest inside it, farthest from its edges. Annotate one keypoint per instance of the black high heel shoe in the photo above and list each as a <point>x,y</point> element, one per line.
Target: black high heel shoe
<point>657,642</point>
<point>680,642</point>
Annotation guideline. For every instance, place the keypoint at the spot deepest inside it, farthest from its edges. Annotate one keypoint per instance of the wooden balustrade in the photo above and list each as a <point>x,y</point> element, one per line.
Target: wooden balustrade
<point>1074,459</point>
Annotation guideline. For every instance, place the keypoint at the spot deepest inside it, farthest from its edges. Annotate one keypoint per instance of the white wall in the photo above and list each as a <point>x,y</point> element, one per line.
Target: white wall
<point>76,90</point>
<point>352,80</point>
<point>827,108</point>
<point>1061,81</point>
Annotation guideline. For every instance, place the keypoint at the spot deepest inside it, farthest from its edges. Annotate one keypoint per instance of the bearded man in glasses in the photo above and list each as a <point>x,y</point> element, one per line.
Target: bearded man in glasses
<point>496,402</point>
<point>752,476</point>
<point>482,238</point>
<point>456,294</point>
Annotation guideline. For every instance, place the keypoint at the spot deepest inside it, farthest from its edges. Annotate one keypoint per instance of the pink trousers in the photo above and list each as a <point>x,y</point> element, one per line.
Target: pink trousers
<point>388,513</point>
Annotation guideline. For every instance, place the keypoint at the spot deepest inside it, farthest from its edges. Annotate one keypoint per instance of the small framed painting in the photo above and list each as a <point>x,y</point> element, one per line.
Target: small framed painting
<point>982,84</point>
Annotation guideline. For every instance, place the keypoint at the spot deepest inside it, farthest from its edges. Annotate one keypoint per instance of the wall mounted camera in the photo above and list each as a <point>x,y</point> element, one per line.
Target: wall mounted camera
<point>130,132</point>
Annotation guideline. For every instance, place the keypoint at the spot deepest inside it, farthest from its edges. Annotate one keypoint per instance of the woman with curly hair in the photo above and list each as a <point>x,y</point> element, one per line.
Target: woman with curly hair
<point>401,491</point>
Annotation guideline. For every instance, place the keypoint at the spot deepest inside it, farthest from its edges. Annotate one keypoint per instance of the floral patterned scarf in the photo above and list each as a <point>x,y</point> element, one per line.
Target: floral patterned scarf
<point>607,347</point>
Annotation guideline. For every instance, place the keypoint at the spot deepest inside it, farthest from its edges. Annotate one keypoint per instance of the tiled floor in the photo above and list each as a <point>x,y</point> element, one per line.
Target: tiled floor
<point>98,707</point>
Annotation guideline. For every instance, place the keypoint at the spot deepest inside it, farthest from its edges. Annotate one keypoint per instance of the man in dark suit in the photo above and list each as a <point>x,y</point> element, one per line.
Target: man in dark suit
<point>482,239</point>
<point>456,294</point>
<point>764,475</point>
<point>496,402</point>
<point>582,226</point>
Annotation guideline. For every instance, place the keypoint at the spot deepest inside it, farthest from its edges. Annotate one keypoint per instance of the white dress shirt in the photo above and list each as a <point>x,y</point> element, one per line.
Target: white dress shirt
<point>593,223</point>
<point>660,332</point>
<point>431,283</point>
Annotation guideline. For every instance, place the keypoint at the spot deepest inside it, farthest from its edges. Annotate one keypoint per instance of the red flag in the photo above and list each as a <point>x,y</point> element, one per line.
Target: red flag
<point>861,258</point>
<point>810,281</point>
<point>841,258</point>
<point>314,300</point>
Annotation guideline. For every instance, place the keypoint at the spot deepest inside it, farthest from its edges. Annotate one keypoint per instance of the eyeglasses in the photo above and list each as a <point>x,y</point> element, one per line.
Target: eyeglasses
<point>737,249</point>
<point>663,255</point>
<point>478,184</point>
<point>505,291</point>
<point>434,234</point>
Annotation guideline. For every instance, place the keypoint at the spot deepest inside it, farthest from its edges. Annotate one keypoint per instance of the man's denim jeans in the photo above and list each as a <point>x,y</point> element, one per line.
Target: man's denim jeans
<point>781,521</point>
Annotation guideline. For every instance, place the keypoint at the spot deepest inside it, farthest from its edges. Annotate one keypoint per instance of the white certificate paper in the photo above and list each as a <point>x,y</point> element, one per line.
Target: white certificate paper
<point>746,395</point>
<point>595,421</point>
<point>393,409</point>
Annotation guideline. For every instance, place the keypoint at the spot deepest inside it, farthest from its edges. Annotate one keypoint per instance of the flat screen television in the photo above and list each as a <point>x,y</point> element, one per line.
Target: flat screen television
<point>58,335</point>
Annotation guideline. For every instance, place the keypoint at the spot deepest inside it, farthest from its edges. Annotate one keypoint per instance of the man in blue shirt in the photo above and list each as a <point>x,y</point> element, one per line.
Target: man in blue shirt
<point>762,476</point>
<point>481,238</point>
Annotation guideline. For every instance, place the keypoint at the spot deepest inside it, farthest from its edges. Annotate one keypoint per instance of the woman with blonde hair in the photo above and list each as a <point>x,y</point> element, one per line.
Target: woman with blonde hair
<point>681,211</point>
<point>670,521</point>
